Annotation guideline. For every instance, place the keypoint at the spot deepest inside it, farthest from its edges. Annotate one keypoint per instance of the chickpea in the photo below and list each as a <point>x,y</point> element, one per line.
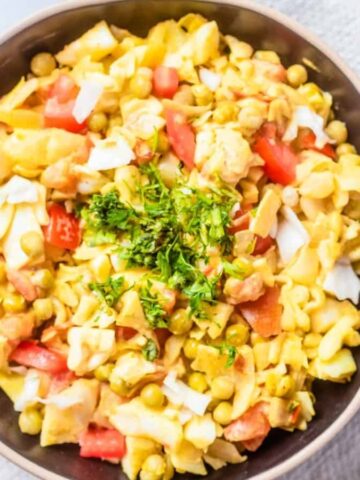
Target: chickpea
<point>118,386</point>
<point>190,348</point>
<point>152,395</point>
<point>42,64</point>
<point>153,468</point>
<point>30,421</point>
<point>237,334</point>
<point>222,413</point>
<point>43,278</point>
<point>202,94</point>
<point>345,149</point>
<point>43,309</point>
<point>198,382</point>
<point>97,122</point>
<point>103,372</point>
<point>337,131</point>
<point>222,388</point>
<point>180,322</point>
<point>14,303</point>
<point>141,84</point>
<point>226,111</point>
<point>297,75</point>
<point>184,95</point>
<point>32,243</point>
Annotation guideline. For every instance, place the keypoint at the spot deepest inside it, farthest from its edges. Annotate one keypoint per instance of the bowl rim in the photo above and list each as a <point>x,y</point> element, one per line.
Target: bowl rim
<point>325,437</point>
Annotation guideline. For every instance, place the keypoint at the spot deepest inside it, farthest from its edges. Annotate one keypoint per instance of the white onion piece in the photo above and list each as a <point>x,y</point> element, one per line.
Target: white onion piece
<point>110,153</point>
<point>30,391</point>
<point>61,401</point>
<point>182,394</point>
<point>307,118</point>
<point>274,229</point>
<point>291,235</point>
<point>211,79</point>
<point>343,282</point>
<point>19,190</point>
<point>85,102</point>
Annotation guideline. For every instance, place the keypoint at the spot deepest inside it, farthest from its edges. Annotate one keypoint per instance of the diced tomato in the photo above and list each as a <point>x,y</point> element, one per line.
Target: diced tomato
<point>167,300</point>
<point>251,428</point>
<point>60,104</point>
<point>162,334</point>
<point>165,81</point>
<point>125,333</point>
<point>60,381</point>
<point>280,159</point>
<point>102,443</point>
<point>59,115</point>
<point>22,283</point>
<point>262,245</point>
<point>64,89</point>
<point>294,417</point>
<point>181,137</point>
<point>264,314</point>
<point>32,355</point>
<point>63,230</point>
<point>239,223</point>
<point>306,141</point>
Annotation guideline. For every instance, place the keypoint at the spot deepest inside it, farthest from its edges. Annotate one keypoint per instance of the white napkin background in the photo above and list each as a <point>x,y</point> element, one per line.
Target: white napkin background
<point>338,23</point>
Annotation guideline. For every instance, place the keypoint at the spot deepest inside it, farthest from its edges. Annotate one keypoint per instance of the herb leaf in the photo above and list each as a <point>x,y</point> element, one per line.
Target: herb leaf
<point>154,312</point>
<point>230,351</point>
<point>150,350</point>
<point>109,291</point>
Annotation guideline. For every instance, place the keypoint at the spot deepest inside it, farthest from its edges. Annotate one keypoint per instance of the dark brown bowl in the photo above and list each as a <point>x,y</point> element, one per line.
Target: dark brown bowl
<point>265,29</point>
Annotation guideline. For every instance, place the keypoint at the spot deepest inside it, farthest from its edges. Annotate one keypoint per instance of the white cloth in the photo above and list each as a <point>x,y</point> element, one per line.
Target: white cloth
<point>338,23</point>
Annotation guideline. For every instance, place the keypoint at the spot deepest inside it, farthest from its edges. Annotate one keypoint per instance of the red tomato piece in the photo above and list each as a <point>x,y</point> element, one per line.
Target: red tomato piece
<point>64,89</point>
<point>239,223</point>
<point>59,115</point>
<point>102,443</point>
<point>60,104</point>
<point>60,381</point>
<point>294,417</point>
<point>251,428</point>
<point>165,81</point>
<point>262,245</point>
<point>306,141</point>
<point>32,355</point>
<point>181,137</point>
<point>63,230</point>
<point>280,159</point>
<point>125,333</point>
<point>264,314</point>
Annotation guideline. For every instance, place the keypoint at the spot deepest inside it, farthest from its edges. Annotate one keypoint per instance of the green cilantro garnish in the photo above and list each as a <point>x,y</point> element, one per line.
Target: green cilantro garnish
<point>234,270</point>
<point>230,351</point>
<point>150,350</point>
<point>109,291</point>
<point>154,312</point>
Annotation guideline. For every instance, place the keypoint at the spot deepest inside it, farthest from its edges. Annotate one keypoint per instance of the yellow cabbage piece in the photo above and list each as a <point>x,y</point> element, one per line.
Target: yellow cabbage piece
<point>187,458</point>
<point>217,317</point>
<point>89,348</point>
<point>97,43</point>
<point>131,367</point>
<point>18,95</point>
<point>333,340</point>
<point>12,384</point>
<point>244,383</point>
<point>22,118</point>
<point>223,152</point>
<point>200,431</point>
<point>137,451</point>
<point>142,117</point>
<point>265,215</point>
<point>339,368</point>
<point>34,149</point>
<point>305,268</point>
<point>327,314</point>
<point>107,404</point>
<point>137,420</point>
<point>225,451</point>
<point>6,215</point>
<point>64,425</point>
<point>132,313</point>
<point>210,361</point>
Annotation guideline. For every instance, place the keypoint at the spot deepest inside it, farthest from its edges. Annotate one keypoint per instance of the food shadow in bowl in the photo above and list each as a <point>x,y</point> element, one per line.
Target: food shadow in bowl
<point>264,30</point>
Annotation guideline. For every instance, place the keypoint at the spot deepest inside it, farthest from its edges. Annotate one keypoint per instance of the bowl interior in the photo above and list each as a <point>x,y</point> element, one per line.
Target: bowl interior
<point>262,32</point>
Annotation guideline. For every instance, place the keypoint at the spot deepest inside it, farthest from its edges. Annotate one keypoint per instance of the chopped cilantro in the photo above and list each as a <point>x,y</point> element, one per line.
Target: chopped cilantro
<point>150,350</point>
<point>109,291</point>
<point>154,312</point>
<point>230,351</point>
<point>202,290</point>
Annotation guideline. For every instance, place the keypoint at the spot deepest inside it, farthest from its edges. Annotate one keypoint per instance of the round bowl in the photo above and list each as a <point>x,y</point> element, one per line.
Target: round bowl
<point>265,29</point>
